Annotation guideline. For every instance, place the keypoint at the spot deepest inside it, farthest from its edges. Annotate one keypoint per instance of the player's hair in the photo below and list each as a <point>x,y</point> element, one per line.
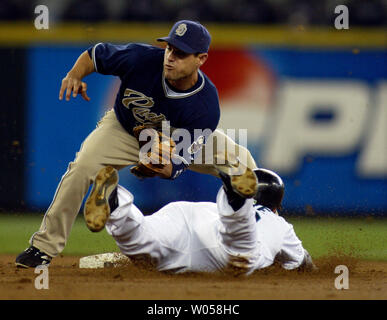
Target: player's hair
<point>270,189</point>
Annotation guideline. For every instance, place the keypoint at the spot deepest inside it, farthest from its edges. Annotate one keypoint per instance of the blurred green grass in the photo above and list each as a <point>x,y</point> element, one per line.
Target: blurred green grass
<point>16,230</point>
<point>363,238</point>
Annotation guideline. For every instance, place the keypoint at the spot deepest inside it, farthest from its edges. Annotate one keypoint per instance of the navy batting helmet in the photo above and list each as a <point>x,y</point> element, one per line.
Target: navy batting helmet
<point>270,189</point>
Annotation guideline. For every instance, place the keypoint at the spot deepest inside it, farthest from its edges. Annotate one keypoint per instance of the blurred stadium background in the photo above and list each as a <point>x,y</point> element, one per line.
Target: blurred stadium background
<point>313,98</point>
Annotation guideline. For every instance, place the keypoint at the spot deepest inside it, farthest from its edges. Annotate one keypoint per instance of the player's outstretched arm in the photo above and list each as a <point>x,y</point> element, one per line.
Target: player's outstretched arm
<point>73,80</point>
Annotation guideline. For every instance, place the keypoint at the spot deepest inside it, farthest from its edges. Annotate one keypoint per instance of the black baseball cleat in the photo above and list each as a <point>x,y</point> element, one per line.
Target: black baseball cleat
<point>239,186</point>
<point>97,207</point>
<point>113,200</point>
<point>31,258</point>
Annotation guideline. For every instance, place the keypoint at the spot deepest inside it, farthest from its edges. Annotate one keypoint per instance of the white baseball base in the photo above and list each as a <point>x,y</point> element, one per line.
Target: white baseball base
<point>103,260</point>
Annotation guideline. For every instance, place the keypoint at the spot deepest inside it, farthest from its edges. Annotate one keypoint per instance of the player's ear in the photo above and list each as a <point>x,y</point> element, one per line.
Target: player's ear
<point>202,57</point>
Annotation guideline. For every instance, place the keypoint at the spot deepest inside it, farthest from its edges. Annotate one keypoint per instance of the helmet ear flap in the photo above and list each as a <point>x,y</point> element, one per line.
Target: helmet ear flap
<point>270,189</point>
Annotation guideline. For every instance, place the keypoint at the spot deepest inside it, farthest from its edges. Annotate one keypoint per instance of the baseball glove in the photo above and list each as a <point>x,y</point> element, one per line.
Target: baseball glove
<point>156,151</point>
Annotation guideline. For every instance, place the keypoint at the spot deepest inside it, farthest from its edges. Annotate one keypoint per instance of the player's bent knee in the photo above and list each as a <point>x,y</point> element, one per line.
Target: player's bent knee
<point>84,168</point>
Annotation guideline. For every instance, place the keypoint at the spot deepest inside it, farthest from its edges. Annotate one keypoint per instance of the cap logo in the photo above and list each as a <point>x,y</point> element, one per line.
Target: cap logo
<point>181,29</point>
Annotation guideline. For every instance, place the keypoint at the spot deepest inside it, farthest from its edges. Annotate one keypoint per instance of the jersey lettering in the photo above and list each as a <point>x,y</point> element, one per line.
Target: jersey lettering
<point>141,105</point>
<point>136,98</point>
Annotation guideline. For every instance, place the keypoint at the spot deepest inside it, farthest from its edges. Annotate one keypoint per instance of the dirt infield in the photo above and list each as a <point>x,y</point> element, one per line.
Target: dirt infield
<point>367,280</point>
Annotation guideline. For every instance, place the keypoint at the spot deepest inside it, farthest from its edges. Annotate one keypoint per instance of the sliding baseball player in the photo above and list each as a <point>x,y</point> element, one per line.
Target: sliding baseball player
<point>239,232</point>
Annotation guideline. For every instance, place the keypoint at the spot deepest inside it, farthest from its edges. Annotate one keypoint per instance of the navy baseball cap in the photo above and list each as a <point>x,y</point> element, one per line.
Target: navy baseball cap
<point>189,36</point>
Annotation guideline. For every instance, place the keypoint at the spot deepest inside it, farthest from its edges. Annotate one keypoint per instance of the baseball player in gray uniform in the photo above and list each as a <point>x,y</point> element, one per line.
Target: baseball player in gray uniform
<point>157,85</point>
<point>238,232</point>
